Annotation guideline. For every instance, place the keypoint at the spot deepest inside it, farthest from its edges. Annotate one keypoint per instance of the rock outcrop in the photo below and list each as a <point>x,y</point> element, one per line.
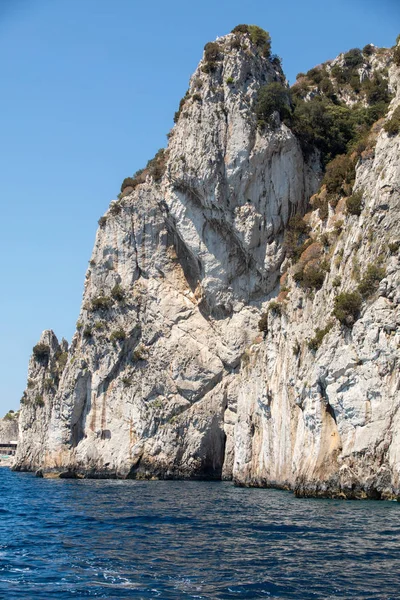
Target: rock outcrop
<point>167,374</point>
<point>9,428</point>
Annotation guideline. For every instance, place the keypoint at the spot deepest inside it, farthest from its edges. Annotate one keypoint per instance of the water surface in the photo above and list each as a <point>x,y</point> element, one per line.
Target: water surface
<point>133,539</point>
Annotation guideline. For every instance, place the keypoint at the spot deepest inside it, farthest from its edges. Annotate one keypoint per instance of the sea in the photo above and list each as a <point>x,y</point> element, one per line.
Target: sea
<point>190,539</point>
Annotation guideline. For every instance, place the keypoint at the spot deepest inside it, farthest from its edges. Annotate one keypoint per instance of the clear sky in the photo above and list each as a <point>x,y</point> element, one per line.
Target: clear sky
<point>89,90</point>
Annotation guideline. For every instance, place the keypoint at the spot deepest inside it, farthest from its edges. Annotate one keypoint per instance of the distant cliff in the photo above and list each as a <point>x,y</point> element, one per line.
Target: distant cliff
<point>241,310</point>
<point>9,428</point>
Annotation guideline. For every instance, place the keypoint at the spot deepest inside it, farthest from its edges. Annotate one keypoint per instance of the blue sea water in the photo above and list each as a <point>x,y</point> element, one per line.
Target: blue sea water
<point>172,539</point>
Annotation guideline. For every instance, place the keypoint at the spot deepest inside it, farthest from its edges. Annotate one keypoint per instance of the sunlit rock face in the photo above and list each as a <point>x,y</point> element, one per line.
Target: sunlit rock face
<point>167,374</point>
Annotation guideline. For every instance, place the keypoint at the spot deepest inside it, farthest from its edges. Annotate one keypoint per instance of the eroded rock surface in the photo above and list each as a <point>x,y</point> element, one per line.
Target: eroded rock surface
<point>167,374</point>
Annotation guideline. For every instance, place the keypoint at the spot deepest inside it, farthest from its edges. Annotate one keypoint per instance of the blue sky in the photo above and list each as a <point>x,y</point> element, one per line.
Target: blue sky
<point>89,90</point>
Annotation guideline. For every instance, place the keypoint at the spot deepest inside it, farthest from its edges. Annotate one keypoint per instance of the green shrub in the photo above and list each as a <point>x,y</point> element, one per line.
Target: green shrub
<point>316,341</point>
<point>79,325</point>
<point>181,105</point>
<point>240,29</point>
<point>371,278</point>
<point>313,277</point>
<point>339,174</point>
<point>392,127</point>
<point>368,50</point>
<point>157,165</point>
<point>261,38</point>
<point>48,384</point>
<point>354,203</point>
<point>62,359</point>
<point>275,308</point>
<point>39,400</point>
<point>115,208</point>
<point>212,52</point>
<point>258,36</point>
<point>30,384</point>
<point>270,98</point>
<point>376,90</point>
<point>41,352</point>
<point>263,323</point>
<point>394,247</point>
<point>295,238</point>
<point>230,80</point>
<point>117,292</point>
<point>139,353</point>
<point>128,182</point>
<point>102,221</point>
<point>9,416</point>
<point>396,55</point>
<point>98,325</point>
<point>118,335</point>
<point>337,282</point>
<point>347,307</point>
<point>87,332</point>
<point>101,303</point>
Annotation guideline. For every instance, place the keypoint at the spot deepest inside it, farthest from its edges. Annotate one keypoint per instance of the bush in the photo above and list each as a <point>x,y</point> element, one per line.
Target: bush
<point>354,203</point>
<point>295,238</point>
<point>392,127</point>
<point>240,29</point>
<point>353,58</point>
<point>62,359</point>
<point>339,175</point>
<point>41,352</point>
<point>157,165</point>
<point>263,323</point>
<point>181,105</point>
<point>396,55</point>
<point>115,208</point>
<point>261,38</point>
<point>102,221</point>
<point>394,247</point>
<point>270,98</point>
<point>275,308</point>
<point>230,80</point>
<point>316,341</point>
<point>87,332</point>
<point>370,281</point>
<point>212,52</point>
<point>312,277</point>
<point>337,282</point>
<point>117,335</point>
<point>347,307</point>
<point>376,90</point>
<point>101,303</point>
<point>117,292</point>
<point>48,384</point>
<point>39,400</point>
<point>258,36</point>
<point>368,50</point>
<point>139,353</point>
<point>128,182</point>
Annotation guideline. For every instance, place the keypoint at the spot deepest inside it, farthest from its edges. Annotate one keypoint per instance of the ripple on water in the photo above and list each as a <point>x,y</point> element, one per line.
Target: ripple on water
<point>132,539</point>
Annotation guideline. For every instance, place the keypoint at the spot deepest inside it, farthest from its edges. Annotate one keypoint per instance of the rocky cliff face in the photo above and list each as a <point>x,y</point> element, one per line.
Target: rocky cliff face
<point>9,428</point>
<point>168,375</point>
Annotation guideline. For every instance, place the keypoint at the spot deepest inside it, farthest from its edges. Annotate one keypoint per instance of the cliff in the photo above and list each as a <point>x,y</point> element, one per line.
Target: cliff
<point>9,428</point>
<point>226,232</point>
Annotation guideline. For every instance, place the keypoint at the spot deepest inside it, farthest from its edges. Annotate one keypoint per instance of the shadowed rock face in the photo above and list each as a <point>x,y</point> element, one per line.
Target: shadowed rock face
<point>167,376</point>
